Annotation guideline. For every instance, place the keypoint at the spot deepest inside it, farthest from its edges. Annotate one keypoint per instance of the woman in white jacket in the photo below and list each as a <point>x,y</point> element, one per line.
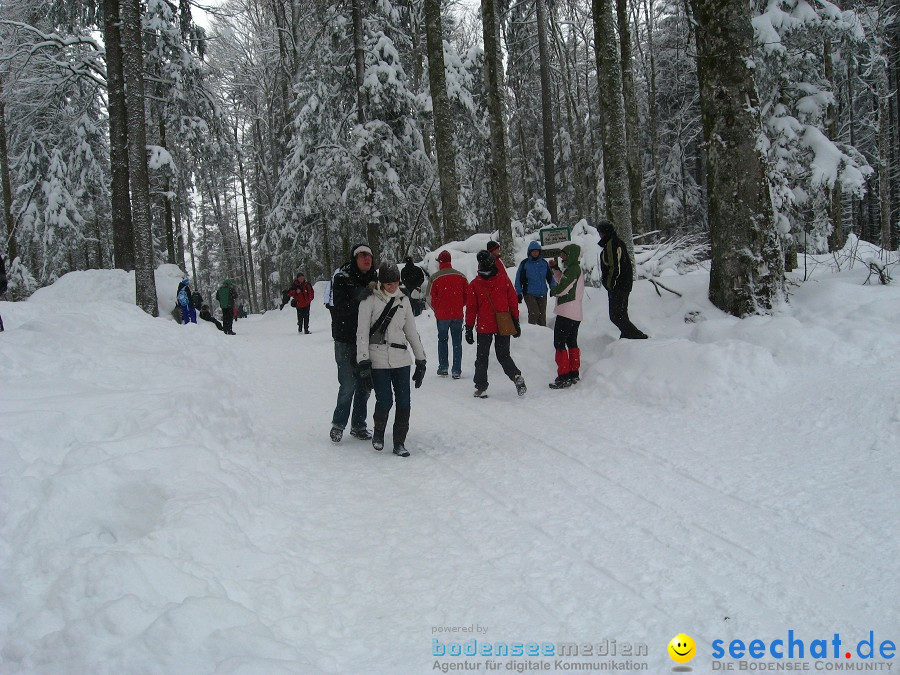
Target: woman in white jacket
<point>386,324</point>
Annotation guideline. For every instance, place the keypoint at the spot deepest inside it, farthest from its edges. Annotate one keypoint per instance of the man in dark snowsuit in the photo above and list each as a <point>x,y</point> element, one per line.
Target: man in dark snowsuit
<point>411,279</point>
<point>227,298</point>
<point>618,279</point>
<point>347,288</point>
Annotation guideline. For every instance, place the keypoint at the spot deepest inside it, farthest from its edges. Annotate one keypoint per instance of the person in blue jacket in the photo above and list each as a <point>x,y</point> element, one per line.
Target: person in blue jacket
<point>533,279</point>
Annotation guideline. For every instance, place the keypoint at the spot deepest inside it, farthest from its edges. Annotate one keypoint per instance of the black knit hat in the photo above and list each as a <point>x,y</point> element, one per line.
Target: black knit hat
<point>388,273</point>
<point>486,264</point>
<point>491,245</point>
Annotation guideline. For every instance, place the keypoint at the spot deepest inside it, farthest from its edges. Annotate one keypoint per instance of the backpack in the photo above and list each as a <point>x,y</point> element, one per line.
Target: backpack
<point>196,299</point>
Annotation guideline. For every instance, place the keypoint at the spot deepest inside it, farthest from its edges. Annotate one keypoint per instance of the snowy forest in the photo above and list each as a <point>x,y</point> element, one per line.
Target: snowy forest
<point>252,138</point>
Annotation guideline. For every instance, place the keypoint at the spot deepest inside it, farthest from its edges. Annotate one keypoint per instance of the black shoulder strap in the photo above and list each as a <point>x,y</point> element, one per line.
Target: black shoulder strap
<point>383,320</point>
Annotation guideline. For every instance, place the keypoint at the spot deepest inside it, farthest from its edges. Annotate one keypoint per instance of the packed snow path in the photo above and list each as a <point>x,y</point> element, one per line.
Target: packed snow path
<point>172,502</point>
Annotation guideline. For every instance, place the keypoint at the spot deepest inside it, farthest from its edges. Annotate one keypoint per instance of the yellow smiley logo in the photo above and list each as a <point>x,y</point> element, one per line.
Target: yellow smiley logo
<point>682,648</point>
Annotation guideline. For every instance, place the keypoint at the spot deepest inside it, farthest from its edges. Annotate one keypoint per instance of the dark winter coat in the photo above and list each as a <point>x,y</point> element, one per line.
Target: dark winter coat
<point>615,265</point>
<point>302,292</point>
<point>486,296</point>
<point>534,277</point>
<point>226,295</point>
<point>412,276</point>
<point>448,292</point>
<point>347,288</point>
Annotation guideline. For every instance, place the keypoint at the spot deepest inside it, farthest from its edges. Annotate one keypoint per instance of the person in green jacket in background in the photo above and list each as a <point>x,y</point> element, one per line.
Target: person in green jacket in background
<point>227,298</point>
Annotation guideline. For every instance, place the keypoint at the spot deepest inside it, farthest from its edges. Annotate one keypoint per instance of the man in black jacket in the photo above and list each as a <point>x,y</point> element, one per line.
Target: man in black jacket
<point>412,277</point>
<point>618,279</point>
<point>347,287</point>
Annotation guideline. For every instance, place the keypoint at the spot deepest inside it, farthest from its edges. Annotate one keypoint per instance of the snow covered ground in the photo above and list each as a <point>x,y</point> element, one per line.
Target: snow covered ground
<point>171,502</point>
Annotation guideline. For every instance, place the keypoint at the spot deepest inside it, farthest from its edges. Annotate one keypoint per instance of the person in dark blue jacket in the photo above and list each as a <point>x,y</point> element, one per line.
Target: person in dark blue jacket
<point>533,279</point>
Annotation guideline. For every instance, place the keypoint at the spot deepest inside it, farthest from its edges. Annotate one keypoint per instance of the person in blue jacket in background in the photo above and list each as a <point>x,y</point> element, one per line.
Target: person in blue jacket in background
<point>533,279</point>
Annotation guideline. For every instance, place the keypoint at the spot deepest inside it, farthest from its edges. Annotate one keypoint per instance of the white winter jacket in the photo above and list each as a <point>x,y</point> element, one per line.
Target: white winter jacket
<point>400,330</point>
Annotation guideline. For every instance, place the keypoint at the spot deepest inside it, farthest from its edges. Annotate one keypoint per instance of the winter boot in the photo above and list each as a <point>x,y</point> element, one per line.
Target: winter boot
<point>381,419</point>
<point>520,385</point>
<point>336,434</point>
<point>562,382</point>
<point>481,392</point>
<point>362,433</point>
<point>401,428</point>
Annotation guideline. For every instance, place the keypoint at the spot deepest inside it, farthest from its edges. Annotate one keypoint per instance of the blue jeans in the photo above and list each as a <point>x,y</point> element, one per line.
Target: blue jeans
<point>454,327</point>
<point>388,379</point>
<point>350,389</point>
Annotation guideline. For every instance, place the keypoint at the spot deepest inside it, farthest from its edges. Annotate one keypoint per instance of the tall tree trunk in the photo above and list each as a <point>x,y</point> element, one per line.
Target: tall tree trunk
<point>658,200</point>
<point>747,269</point>
<point>190,246</point>
<point>133,69</point>
<point>426,130</point>
<point>836,238</point>
<point>372,229</point>
<point>547,113</point>
<point>443,122</point>
<point>254,303</point>
<point>884,153</point>
<point>11,248</point>
<point>123,231</point>
<point>612,112</point>
<point>632,136</point>
<point>167,201</point>
<point>493,76</point>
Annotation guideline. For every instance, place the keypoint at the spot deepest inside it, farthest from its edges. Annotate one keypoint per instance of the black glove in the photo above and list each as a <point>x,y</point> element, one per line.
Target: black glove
<point>518,328</point>
<point>419,375</point>
<point>469,337</point>
<point>364,372</point>
<point>293,302</point>
<point>519,296</point>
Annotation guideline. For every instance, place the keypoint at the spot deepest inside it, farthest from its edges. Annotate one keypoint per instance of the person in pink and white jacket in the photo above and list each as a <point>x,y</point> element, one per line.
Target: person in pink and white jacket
<point>569,294</point>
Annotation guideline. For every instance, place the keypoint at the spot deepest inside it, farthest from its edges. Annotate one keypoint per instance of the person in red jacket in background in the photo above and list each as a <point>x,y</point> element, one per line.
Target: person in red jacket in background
<point>491,292</point>
<point>494,249</point>
<point>302,295</point>
<point>447,295</point>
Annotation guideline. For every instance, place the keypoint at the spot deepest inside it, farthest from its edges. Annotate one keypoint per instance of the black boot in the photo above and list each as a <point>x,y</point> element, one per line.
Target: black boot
<point>380,418</point>
<point>401,428</point>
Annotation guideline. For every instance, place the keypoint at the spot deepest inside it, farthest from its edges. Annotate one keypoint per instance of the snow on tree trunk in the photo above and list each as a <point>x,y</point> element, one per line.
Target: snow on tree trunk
<point>493,75</point>
<point>635,175</point>
<point>747,267</point>
<point>884,152</point>
<point>612,125</point>
<point>443,121</point>
<point>123,233</point>
<point>836,238</point>
<point>547,112</point>
<point>360,73</point>
<point>133,69</point>
<point>7,185</point>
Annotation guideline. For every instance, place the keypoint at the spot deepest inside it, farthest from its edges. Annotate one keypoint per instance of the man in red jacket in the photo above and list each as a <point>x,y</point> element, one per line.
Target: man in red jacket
<point>491,293</point>
<point>447,294</point>
<point>302,295</point>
